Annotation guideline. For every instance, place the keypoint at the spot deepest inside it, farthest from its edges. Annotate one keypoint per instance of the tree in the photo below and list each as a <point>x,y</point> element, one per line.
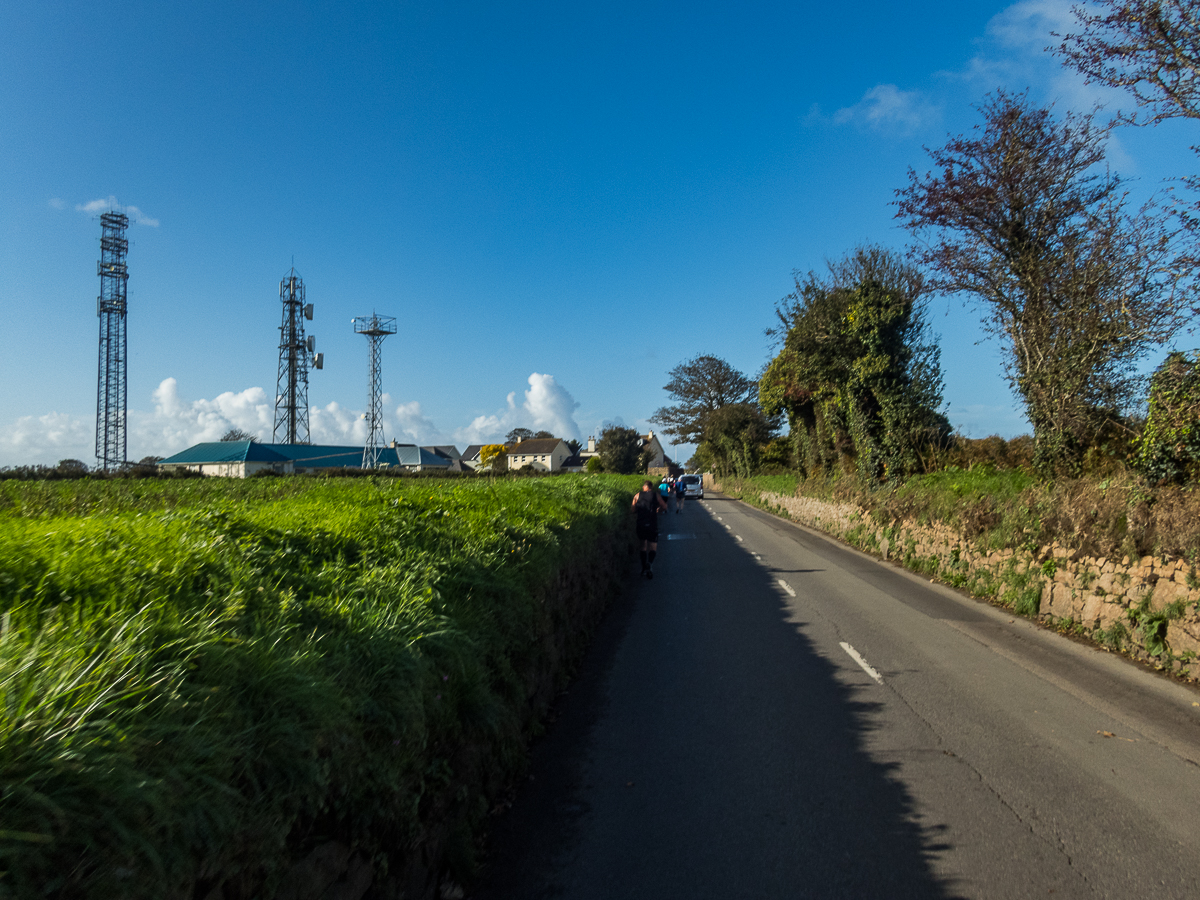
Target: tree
<point>700,386</point>
<point>1150,48</point>
<point>1020,217</point>
<point>543,434</point>
<point>517,435</point>
<point>859,373</point>
<point>619,448</point>
<point>72,467</point>
<point>237,434</point>
<point>574,446</point>
<point>594,466</point>
<point>493,457</point>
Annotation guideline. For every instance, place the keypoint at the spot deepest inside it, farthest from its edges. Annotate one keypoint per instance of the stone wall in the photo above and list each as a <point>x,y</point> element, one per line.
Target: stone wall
<point>1148,607</point>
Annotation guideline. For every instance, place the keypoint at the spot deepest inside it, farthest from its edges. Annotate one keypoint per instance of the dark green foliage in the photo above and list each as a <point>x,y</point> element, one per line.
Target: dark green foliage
<point>1169,446</point>
<point>619,449</point>
<point>202,680</point>
<point>700,387</point>
<point>733,436</point>
<point>859,375</point>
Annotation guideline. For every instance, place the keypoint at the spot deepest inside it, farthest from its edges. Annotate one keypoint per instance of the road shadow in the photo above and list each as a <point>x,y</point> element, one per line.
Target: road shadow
<point>707,750</point>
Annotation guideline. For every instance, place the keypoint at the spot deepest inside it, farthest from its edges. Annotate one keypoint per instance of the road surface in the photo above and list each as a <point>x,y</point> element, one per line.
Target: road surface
<point>776,715</point>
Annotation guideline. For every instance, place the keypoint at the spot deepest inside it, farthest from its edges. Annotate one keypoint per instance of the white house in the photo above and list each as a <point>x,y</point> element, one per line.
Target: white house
<point>544,454</point>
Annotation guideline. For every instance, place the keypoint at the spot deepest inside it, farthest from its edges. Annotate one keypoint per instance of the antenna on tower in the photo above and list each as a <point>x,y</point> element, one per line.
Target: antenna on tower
<point>296,355</point>
<point>376,328</point>
<point>112,380</point>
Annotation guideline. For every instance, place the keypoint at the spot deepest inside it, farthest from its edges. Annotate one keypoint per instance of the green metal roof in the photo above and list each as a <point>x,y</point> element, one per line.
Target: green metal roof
<point>227,452</point>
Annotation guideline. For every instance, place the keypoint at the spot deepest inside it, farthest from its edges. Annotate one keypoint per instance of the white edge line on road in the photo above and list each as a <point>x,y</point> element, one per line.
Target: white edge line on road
<point>791,591</point>
<point>862,662</point>
<point>738,536</point>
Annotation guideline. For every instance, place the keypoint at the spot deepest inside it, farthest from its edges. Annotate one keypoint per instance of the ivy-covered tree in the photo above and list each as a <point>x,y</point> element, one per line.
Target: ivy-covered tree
<point>733,439</point>
<point>859,373</point>
<point>1169,446</point>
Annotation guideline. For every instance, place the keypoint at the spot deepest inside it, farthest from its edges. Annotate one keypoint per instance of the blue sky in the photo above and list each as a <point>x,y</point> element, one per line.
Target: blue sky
<point>558,203</point>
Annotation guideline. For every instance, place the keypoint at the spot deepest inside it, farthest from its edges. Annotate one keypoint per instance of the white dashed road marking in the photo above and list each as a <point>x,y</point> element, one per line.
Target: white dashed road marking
<point>791,592</point>
<point>862,662</point>
<point>738,536</point>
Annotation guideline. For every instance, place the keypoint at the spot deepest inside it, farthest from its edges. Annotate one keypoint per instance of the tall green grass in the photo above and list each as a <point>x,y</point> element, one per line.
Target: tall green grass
<point>200,679</point>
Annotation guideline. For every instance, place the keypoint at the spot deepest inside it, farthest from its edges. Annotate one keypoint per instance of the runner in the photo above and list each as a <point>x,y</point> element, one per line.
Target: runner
<point>647,504</point>
<point>680,494</point>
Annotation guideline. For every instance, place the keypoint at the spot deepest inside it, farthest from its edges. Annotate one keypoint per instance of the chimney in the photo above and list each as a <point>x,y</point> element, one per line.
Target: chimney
<point>591,444</point>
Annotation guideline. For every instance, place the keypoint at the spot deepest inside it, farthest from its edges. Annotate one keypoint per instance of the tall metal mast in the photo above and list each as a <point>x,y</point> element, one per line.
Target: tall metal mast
<point>376,328</point>
<point>296,354</point>
<point>112,379</point>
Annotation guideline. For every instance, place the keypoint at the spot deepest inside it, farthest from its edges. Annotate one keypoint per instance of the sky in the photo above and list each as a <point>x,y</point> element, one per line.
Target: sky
<point>558,202</point>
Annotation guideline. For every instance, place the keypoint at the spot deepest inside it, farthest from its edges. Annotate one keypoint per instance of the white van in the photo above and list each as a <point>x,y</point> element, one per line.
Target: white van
<point>693,486</point>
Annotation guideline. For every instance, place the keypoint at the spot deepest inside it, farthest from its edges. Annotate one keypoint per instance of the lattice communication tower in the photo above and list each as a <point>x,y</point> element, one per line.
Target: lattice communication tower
<point>112,382</point>
<point>376,328</point>
<point>296,354</point>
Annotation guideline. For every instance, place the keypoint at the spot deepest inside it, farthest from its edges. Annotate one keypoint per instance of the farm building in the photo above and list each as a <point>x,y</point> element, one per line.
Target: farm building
<point>240,459</point>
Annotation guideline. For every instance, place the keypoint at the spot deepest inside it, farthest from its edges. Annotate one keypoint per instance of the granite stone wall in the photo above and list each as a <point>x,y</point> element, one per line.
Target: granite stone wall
<point>1147,607</point>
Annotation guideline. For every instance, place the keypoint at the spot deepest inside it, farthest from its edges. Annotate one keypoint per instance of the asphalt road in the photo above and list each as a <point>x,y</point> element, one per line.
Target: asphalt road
<point>724,741</point>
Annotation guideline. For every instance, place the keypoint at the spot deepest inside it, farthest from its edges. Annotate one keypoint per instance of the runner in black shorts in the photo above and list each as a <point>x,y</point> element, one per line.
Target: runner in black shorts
<point>647,504</point>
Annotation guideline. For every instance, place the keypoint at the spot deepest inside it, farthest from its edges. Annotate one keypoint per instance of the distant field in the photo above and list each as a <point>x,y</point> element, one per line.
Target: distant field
<point>200,678</point>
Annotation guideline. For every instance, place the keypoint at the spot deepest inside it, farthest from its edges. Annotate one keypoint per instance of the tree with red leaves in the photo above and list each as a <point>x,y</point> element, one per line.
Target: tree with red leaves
<point>1022,216</point>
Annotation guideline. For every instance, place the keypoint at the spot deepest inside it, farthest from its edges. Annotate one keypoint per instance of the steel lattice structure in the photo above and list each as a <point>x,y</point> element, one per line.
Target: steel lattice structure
<point>296,355</point>
<point>112,381</point>
<point>376,328</point>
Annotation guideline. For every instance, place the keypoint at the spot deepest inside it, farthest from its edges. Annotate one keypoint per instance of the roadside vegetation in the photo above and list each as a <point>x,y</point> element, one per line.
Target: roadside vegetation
<point>203,679</point>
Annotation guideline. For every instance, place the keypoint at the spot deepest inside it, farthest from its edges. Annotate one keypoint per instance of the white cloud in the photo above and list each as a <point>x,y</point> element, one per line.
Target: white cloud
<point>410,426</point>
<point>47,439</point>
<point>887,108</point>
<point>177,423</point>
<point>135,215</point>
<point>1015,53</point>
<point>551,406</point>
<point>57,203</point>
<point>548,406</point>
